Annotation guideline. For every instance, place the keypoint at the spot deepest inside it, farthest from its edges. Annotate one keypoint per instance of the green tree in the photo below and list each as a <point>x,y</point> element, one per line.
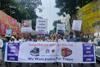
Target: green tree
<point>55,26</point>
<point>69,6</point>
<point>21,10</point>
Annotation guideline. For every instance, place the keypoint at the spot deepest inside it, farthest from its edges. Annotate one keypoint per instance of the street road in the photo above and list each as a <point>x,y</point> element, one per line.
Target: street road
<point>50,65</point>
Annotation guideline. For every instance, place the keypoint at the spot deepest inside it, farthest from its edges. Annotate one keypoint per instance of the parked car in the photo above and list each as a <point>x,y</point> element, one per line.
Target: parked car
<point>97,49</point>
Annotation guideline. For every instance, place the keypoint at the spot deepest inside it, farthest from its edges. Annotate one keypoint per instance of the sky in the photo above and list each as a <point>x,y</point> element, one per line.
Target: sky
<point>49,12</point>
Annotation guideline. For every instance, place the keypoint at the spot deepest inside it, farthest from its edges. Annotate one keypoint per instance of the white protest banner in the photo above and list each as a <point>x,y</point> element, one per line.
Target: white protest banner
<point>77,25</point>
<point>60,28</point>
<point>49,52</point>
<point>26,26</point>
<point>41,26</point>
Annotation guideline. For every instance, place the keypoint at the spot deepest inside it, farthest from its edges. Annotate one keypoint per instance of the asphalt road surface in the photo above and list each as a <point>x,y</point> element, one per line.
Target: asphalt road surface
<point>50,65</point>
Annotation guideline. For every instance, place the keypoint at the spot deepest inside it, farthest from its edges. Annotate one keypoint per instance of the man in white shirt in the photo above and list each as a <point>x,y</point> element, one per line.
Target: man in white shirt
<point>61,39</point>
<point>1,45</point>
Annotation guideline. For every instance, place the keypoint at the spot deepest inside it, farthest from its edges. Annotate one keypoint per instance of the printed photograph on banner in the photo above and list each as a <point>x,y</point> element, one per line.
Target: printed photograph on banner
<point>65,52</point>
<point>35,51</point>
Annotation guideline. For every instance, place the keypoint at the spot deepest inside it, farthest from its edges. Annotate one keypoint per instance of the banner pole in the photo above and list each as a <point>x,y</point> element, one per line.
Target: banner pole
<point>30,65</point>
<point>62,65</point>
<point>72,65</point>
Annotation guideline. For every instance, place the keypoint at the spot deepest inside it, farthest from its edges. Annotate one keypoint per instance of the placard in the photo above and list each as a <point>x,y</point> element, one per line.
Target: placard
<point>26,26</point>
<point>41,26</point>
<point>77,25</point>
<point>60,29</point>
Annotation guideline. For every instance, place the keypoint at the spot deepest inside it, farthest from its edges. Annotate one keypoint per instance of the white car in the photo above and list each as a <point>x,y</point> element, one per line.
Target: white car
<point>98,53</point>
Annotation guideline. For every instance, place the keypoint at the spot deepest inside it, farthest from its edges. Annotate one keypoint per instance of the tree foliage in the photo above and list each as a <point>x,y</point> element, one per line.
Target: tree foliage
<point>20,10</point>
<point>69,6</point>
<point>55,26</point>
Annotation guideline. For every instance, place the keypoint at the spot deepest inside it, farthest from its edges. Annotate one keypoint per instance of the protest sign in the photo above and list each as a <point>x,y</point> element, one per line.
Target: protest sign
<point>8,32</point>
<point>61,28</point>
<point>41,26</point>
<point>50,52</point>
<point>76,26</point>
<point>26,26</point>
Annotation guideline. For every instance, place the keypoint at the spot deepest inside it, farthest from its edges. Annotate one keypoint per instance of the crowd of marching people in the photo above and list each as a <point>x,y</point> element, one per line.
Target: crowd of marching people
<point>72,37</point>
